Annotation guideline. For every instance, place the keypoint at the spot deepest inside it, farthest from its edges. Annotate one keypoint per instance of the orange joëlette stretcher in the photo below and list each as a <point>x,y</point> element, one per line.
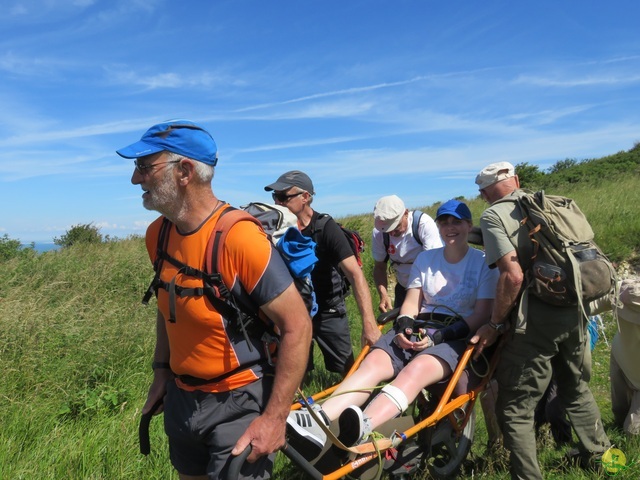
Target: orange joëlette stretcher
<point>438,436</point>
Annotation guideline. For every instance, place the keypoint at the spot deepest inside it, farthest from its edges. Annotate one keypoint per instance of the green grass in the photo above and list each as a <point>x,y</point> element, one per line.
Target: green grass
<point>76,345</point>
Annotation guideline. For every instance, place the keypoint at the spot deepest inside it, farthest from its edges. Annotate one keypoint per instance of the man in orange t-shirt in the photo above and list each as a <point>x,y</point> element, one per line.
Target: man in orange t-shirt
<point>219,397</point>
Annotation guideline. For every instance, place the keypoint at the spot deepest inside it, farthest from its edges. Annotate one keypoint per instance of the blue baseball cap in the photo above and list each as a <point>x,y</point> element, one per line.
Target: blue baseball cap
<point>178,136</point>
<point>455,208</point>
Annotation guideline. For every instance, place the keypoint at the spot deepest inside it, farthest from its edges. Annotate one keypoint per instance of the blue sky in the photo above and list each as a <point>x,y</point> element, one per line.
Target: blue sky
<point>368,97</point>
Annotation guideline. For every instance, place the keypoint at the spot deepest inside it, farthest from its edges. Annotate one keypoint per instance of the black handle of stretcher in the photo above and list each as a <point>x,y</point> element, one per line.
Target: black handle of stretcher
<point>143,429</point>
<point>386,317</point>
<point>236,463</point>
<point>233,473</point>
<point>302,463</point>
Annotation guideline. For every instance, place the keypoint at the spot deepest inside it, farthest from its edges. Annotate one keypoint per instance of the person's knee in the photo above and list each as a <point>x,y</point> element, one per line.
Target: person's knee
<point>396,396</point>
<point>375,368</point>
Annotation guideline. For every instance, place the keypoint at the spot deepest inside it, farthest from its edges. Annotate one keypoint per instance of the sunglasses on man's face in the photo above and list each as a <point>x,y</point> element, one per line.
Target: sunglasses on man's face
<point>143,169</point>
<point>282,197</point>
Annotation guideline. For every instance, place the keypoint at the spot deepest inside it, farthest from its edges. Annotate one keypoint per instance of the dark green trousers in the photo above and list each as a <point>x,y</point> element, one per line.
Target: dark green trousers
<point>552,343</point>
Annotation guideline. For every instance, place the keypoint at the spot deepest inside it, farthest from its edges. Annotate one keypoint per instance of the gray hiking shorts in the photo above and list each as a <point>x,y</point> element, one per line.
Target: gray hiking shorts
<point>204,427</point>
<point>449,352</point>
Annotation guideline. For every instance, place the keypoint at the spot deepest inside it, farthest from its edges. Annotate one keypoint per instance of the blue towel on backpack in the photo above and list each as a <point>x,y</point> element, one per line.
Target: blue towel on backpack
<point>592,326</point>
<point>298,251</point>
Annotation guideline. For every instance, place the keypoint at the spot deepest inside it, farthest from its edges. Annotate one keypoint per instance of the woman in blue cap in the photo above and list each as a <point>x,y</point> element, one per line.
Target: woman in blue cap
<point>452,282</point>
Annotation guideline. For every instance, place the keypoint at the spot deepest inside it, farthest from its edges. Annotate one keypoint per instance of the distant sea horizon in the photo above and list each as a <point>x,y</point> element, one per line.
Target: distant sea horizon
<point>41,247</point>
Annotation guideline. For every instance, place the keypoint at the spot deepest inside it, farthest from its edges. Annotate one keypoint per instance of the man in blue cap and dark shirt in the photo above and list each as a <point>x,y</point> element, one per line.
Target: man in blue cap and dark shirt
<point>216,386</point>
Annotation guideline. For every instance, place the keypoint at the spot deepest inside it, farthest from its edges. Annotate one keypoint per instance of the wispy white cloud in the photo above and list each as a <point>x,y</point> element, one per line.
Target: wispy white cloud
<point>613,60</point>
<point>618,69</point>
<point>38,136</point>
<point>317,110</point>
<point>121,75</point>
<point>298,144</point>
<point>370,88</point>
<point>141,224</point>
<point>346,91</point>
<point>545,117</point>
<point>425,174</point>
<point>537,148</point>
<point>136,227</point>
<point>24,65</point>
<point>584,81</point>
<point>37,10</point>
<point>17,10</point>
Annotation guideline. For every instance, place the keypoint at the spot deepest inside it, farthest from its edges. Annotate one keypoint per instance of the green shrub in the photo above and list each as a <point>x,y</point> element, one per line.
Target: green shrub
<point>12,248</point>
<point>87,233</point>
<point>529,175</point>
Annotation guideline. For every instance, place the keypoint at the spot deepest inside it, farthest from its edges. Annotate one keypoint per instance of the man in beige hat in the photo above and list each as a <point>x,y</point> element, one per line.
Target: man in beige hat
<point>494,173</point>
<point>552,341</point>
<point>399,235</point>
<point>625,359</point>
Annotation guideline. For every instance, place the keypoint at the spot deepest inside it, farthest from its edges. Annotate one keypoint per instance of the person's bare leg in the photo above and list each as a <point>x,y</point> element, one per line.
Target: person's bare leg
<point>356,388</point>
<point>421,372</point>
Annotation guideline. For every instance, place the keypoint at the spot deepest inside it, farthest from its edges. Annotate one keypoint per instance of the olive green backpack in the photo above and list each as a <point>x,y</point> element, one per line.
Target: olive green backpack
<point>567,267</point>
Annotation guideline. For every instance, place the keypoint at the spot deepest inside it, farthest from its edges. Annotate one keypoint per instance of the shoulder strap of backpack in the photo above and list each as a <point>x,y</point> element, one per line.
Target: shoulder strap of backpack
<point>522,203</point>
<point>386,241</point>
<point>222,299</point>
<point>161,248</point>
<point>172,288</point>
<point>318,221</point>
<point>228,218</point>
<point>521,305</point>
<point>415,226</point>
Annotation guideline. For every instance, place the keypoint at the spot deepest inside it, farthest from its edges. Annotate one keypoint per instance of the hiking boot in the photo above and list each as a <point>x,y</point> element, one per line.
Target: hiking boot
<point>305,434</point>
<point>354,426</point>
<point>585,460</point>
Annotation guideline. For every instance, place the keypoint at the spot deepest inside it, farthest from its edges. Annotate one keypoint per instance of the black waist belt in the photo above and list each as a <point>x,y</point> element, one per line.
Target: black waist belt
<point>439,319</point>
<point>198,382</point>
<point>434,316</point>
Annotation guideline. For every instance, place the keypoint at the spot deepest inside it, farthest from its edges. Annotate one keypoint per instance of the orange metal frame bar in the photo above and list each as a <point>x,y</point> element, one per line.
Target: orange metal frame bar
<point>446,406</point>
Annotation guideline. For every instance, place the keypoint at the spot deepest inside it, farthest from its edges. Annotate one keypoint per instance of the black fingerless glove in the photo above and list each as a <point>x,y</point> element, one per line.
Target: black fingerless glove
<point>404,325</point>
<point>455,331</point>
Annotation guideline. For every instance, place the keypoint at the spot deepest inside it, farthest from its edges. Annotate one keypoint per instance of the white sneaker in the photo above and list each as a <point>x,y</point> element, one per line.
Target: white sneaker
<point>354,426</point>
<point>306,435</point>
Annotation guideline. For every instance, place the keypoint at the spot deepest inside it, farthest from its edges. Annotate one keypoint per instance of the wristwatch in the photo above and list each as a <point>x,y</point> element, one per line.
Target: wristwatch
<point>160,365</point>
<point>498,327</point>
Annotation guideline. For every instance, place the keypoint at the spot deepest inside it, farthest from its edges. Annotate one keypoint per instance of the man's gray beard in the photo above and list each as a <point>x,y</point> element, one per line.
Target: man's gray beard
<point>163,198</point>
